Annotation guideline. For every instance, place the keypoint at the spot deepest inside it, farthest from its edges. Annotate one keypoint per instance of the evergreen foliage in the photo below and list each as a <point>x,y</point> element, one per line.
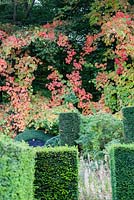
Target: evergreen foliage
<point>33,134</point>
<point>69,128</point>
<point>16,170</point>
<point>128,120</point>
<point>122,171</point>
<point>56,173</point>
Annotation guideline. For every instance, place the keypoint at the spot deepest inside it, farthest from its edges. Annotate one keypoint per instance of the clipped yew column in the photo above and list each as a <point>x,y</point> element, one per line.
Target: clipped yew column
<point>128,121</point>
<point>69,128</point>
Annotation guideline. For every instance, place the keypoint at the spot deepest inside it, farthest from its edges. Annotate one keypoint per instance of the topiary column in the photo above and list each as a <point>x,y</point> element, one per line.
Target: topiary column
<point>122,171</point>
<point>128,121</point>
<point>69,128</point>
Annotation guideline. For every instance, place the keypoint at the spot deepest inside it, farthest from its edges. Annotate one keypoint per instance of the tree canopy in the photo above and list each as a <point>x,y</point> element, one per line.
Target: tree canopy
<point>78,54</point>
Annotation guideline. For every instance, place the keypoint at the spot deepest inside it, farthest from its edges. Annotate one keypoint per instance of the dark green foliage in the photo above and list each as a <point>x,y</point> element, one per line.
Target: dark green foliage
<point>56,173</point>
<point>128,120</point>
<point>33,134</point>
<point>69,128</point>
<point>122,171</point>
<point>16,170</point>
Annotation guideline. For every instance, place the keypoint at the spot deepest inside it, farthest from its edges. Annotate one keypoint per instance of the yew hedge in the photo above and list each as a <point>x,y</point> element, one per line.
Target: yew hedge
<point>56,173</point>
<point>16,170</point>
<point>122,171</point>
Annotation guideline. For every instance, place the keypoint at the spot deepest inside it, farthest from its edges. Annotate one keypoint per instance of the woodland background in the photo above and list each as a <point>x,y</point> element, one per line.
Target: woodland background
<point>58,56</point>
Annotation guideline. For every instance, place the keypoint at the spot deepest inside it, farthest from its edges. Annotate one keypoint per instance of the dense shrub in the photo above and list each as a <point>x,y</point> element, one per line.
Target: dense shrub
<point>69,128</point>
<point>97,131</point>
<point>54,141</point>
<point>128,120</point>
<point>122,171</point>
<point>32,134</point>
<point>16,170</point>
<point>56,173</point>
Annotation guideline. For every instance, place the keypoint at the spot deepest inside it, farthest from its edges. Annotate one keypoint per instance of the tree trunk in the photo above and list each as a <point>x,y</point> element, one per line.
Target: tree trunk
<point>14,10</point>
<point>29,9</point>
